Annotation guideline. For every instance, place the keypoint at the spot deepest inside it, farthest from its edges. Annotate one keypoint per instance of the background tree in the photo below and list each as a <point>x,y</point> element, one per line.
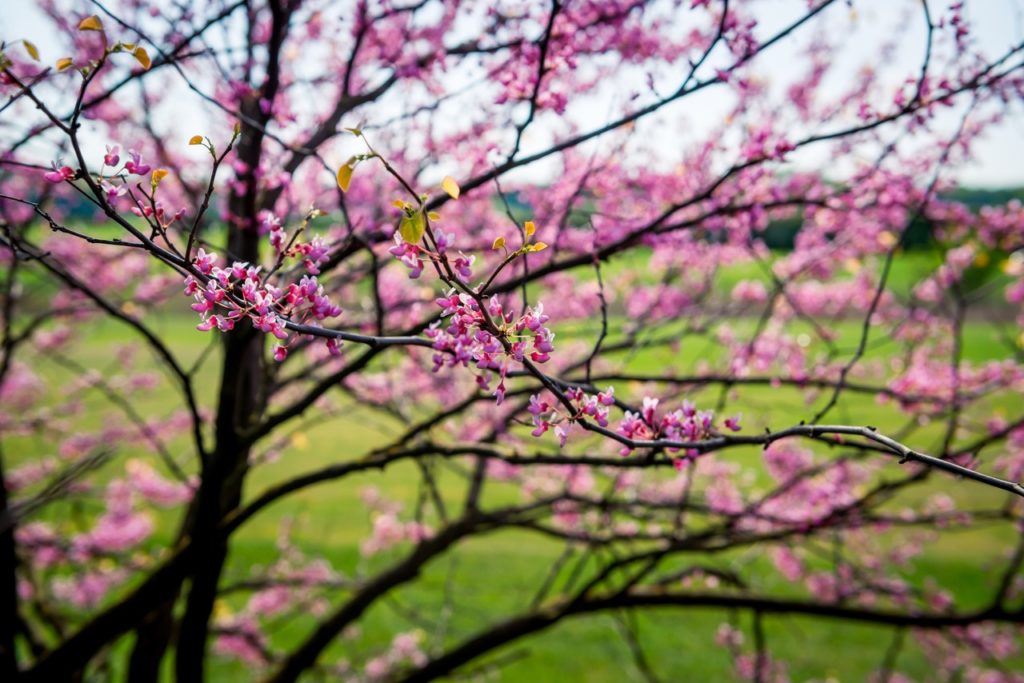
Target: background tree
<point>381,214</point>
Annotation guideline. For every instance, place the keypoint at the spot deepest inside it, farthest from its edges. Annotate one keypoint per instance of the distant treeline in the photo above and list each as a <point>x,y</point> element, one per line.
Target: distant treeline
<point>780,234</point>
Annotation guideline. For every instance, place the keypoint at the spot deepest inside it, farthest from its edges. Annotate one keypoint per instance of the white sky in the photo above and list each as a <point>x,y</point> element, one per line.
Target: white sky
<point>997,24</point>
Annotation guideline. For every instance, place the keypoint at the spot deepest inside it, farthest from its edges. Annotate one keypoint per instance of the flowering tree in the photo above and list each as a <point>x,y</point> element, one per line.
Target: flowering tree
<point>388,209</point>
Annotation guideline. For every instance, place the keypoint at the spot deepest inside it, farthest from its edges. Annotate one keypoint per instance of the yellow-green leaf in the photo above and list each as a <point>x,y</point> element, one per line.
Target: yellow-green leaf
<point>195,140</point>
<point>412,227</point>
<point>141,56</point>
<point>92,23</point>
<point>451,187</point>
<point>345,174</point>
<point>434,216</point>
<point>31,49</point>
<point>539,246</point>
<point>64,63</point>
<point>354,131</point>
<point>530,228</point>
<point>398,204</point>
<point>158,175</point>
<point>499,243</point>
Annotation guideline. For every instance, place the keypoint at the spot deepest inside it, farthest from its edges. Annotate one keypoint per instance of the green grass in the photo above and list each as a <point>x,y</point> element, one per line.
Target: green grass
<point>983,283</point>
<point>496,575</point>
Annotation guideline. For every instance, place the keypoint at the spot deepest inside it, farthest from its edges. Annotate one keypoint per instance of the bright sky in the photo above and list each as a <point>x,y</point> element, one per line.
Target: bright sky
<point>997,24</point>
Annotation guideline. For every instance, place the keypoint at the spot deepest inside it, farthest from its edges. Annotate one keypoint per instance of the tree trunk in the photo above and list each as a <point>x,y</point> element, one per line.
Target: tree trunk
<point>239,404</point>
<point>8,587</point>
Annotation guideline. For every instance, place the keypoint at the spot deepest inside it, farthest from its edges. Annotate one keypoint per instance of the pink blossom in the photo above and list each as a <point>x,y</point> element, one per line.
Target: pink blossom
<point>153,487</point>
<point>409,254</point>
<point>59,175</point>
<point>112,157</point>
<point>135,164</point>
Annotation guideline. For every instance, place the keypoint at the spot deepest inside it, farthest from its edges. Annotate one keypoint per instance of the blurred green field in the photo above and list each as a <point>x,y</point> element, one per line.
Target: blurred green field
<point>496,575</point>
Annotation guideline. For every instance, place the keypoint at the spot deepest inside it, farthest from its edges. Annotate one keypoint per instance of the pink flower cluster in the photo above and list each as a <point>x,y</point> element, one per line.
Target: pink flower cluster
<point>411,255</point>
<point>389,531</point>
<point>121,527</point>
<point>134,166</point>
<point>239,290</point>
<point>240,637</point>
<point>470,337</point>
<point>86,589</point>
<point>148,483</point>
<point>545,416</point>
<point>405,647</point>
<point>292,584</point>
<point>314,254</point>
<point>683,424</point>
<point>157,210</point>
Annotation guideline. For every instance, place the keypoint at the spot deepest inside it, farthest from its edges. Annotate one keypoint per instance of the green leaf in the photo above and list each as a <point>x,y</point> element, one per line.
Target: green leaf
<point>412,227</point>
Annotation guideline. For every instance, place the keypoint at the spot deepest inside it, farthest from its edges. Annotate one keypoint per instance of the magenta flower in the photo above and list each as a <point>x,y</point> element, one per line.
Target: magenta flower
<point>444,241</point>
<point>216,321</point>
<point>136,165</point>
<point>112,191</point>
<point>112,156</point>
<point>315,251</point>
<point>59,175</point>
<point>463,267</point>
<point>204,262</point>
<point>409,254</point>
